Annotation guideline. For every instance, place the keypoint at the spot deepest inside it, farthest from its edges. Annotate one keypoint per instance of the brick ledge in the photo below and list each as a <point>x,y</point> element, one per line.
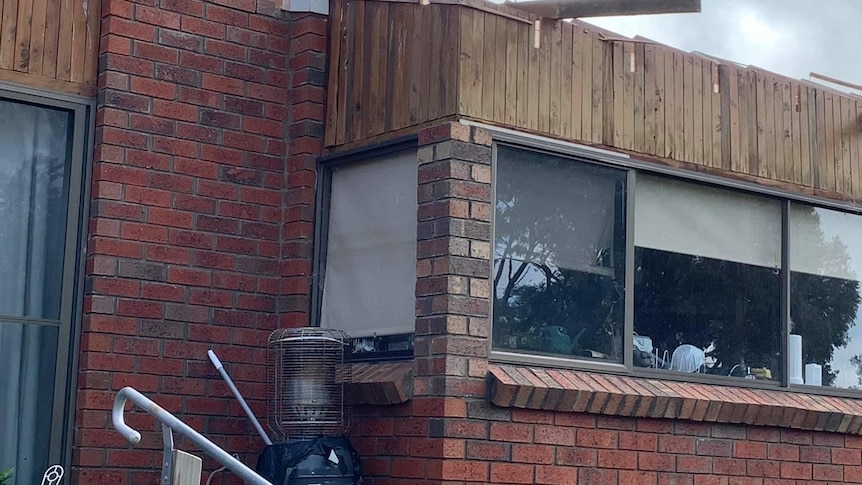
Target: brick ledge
<point>590,392</point>
<point>381,383</point>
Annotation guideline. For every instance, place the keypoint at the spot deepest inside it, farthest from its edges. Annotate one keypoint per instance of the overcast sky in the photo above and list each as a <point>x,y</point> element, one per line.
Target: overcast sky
<point>790,37</point>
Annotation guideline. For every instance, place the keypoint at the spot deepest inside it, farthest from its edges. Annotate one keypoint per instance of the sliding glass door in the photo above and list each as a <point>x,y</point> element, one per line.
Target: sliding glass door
<point>41,164</point>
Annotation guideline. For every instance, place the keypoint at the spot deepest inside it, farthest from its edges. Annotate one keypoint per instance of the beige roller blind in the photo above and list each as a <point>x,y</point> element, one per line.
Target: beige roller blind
<point>370,276</point>
<point>704,221</point>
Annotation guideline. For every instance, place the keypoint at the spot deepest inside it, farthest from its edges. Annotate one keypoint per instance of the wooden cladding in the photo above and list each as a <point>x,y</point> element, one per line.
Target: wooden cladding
<point>390,67</point>
<point>50,44</point>
<point>398,65</point>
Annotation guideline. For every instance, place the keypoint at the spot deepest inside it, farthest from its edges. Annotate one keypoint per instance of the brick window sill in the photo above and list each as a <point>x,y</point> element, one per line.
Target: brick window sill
<point>381,383</point>
<point>590,392</point>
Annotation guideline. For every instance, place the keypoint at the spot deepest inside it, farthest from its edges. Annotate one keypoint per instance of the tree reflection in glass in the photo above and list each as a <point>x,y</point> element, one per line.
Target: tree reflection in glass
<point>559,256</point>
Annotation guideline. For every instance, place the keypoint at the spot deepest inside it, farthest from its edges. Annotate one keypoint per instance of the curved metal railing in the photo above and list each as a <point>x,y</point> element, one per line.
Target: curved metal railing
<point>172,423</point>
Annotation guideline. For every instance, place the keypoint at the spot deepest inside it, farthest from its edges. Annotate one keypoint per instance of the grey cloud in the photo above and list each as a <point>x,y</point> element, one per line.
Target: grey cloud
<point>821,36</point>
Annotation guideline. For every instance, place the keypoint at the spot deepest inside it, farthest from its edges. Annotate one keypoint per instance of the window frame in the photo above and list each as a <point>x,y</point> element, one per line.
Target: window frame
<point>584,154</point>
<point>323,190</point>
<point>82,111</point>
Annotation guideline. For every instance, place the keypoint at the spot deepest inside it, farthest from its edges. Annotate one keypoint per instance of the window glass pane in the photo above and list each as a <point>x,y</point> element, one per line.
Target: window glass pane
<point>826,263</point>
<point>707,280</point>
<point>559,256</point>
<point>27,364</point>
<point>34,165</point>
<point>370,276</point>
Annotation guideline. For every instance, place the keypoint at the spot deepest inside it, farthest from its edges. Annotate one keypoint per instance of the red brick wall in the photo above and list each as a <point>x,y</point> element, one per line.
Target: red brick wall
<point>206,130</point>
<point>496,445</point>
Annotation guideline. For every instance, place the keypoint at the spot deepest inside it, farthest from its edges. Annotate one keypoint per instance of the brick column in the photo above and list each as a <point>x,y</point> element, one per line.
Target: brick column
<point>306,94</point>
<point>184,250</point>
<point>452,290</point>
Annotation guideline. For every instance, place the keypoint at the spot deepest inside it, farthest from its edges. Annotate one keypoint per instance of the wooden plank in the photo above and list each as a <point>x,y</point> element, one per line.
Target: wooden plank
<point>618,95</point>
<point>40,82</point>
<point>450,57</point>
<point>375,119</point>
<point>489,66</point>
<point>650,95</point>
<point>688,107</point>
<point>819,161</point>
<point>91,58</point>
<point>787,133</point>
<point>512,40</point>
<point>566,83</point>
<point>739,105</point>
<point>38,20</point>
<point>762,160</point>
<point>639,83</point>
<point>437,38</point>
<point>545,76</point>
<point>524,47</point>
<point>533,82</point>
<point>424,30</point>
<point>8,33</point>
<point>679,105</point>
<point>472,60</point>
<point>795,132</point>
<point>577,83</point>
<point>404,23</point>
<point>392,58</point>
<point>697,112</point>
<point>359,74</point>
<point>334,111</point>
<point>600,110</point>
<point>829,131</point>
<point>853,136</point>
<point>22,37</point>
<point>64,48</point>
<point>728,137</point>
<point>346,103</point>
<point>669,103</point>
<point>857,144</point>
<point>628,96</point>
<point>660,102</point>
<point>769,124</point>
<point>587,76</point>
<point>750,80</point>
<point>706,96</point>
<point>715,127</point>
<point>501,34</point>
<point>806,105</point>
<point>778,107</point>
<point>52,32</point>
<point>186,469</point>
<point>848,123</point>
<point>79,41</point>
<point>555,78</point>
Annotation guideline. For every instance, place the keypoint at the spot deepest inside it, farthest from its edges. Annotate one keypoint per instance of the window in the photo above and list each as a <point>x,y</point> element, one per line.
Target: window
<point>707,279</point>
<point>559,256</point>
<point>597,265</point>
<point>368,272</point>
<point>41,164</point>
<point>825,267</point>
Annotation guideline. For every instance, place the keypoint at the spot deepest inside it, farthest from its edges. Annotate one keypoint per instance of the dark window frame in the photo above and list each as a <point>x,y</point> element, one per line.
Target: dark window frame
<point>82,111</point>
<point>582,154</point>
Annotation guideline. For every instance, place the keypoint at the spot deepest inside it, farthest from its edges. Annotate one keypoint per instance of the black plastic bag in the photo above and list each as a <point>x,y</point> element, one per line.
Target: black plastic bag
<point>308,461</point>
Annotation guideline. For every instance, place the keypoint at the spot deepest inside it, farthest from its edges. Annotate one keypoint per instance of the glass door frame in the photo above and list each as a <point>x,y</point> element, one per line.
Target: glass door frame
<point>81,110</point>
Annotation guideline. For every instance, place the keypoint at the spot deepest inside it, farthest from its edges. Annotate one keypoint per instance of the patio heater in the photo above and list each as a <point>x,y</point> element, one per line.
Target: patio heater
<point>307,414</point>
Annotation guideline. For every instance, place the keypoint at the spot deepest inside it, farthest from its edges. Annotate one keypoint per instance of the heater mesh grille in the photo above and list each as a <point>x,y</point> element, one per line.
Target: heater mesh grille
<point>307,373</point>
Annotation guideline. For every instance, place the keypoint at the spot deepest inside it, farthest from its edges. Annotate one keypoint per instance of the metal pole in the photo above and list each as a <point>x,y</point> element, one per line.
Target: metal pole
<point>174,423</point>
<point>220,368</point>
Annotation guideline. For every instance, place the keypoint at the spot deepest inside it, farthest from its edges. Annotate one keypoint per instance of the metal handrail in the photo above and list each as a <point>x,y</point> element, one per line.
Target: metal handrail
<point>170,422</point>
